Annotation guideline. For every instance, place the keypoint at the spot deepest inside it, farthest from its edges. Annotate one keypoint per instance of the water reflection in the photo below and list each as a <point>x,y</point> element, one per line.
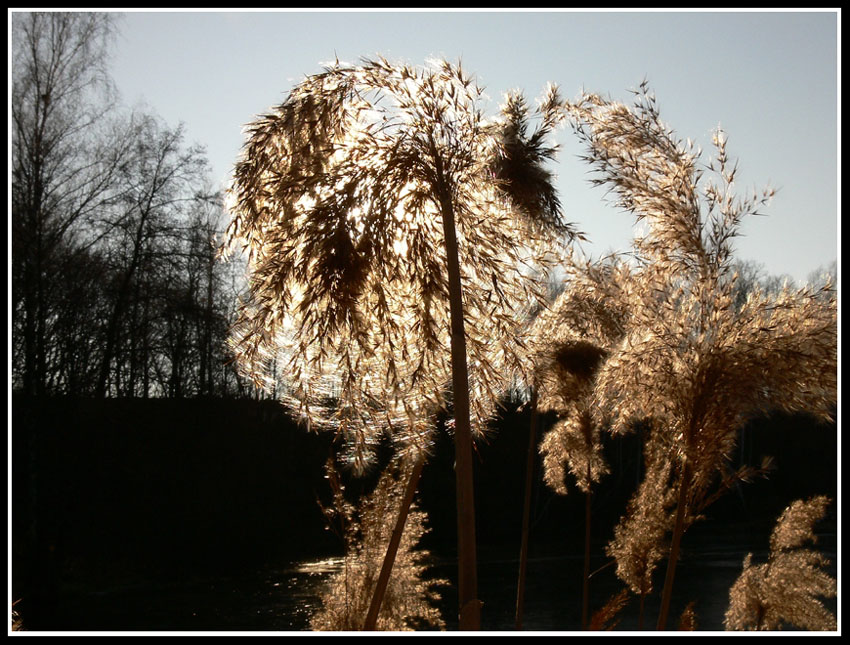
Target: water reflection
<point>283,598</point>
<point>328,565</point>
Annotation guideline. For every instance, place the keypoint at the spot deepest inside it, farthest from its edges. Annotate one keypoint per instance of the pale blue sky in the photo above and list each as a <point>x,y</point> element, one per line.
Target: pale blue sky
<point>769,78</point>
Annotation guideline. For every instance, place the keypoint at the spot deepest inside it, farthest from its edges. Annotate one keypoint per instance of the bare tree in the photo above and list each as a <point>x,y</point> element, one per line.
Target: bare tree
<point>64,156</point>
<point>160,180</point>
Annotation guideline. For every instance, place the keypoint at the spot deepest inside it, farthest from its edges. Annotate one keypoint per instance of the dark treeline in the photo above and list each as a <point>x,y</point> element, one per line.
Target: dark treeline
<point>116,289</point>
<point>160,492</point>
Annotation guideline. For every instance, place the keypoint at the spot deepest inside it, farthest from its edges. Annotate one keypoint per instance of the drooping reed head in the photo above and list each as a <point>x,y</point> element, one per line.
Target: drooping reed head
<point>692,359</point>
<point>338,200</point>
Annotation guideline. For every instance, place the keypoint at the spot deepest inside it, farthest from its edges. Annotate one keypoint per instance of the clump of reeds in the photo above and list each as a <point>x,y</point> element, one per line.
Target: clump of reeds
<point>785,590</point>
<point>410,597</point>
<point>692,362</point>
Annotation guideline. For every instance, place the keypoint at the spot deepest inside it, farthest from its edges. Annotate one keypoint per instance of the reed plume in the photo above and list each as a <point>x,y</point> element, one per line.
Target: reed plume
<point>786,589</point>
<point>688,618</point>
<point>640,539</point>
<point>569,342</point>
<point>691,362</point>
<point>410,597</point>
<point>605,618</point>
<point>335,201</point>
<point>381,212</point>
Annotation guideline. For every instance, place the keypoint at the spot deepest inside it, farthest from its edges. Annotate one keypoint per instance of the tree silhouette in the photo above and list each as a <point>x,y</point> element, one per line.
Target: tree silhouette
<point>691,361</point>
<point>63,159</point>
<point>160,179</point>
<point>106,289</point>
<point>387,224</point>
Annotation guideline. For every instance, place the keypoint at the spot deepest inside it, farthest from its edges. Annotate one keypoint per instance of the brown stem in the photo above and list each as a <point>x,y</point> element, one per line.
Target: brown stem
<point>585,590</point>
<point>679,529</point>
<point>640,614</point>
<point>526,510</point>
<point>392,547</point>
<point>470,608</point>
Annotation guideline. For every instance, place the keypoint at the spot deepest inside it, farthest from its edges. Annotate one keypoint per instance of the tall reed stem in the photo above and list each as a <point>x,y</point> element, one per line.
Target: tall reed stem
<point>679,529</point>
<point>469,606</point>
<point>526,510</point>
<point>585,589</point>
<point>640,613</point>
<point>392,547</point>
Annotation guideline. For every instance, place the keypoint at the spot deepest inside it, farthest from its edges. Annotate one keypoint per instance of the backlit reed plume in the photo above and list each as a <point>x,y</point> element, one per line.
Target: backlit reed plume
<point>640,538</point>
<point>389,227</point>
<point>688,618</point>
<point>410,598</point>
<point>606,617</point>
<point>337,201</point>
<point>691,362</point>
<point>567,342</point>
<point>786,589</point>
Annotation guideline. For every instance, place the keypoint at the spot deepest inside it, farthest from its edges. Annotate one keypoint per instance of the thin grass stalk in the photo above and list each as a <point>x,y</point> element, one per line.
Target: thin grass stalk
<point>640,610</point>
<point>526,510</point>
<point>469,606</point>
<point>760,618</point>
<point>666,593</point>
<point>392,548</point>
<point>585,588</point>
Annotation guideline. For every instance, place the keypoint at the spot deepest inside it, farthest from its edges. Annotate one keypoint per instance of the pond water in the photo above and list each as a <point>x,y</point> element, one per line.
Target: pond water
<point>282,598</point>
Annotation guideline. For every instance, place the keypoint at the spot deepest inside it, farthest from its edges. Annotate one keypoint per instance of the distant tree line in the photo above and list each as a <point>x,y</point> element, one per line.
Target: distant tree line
<point>116,289</point>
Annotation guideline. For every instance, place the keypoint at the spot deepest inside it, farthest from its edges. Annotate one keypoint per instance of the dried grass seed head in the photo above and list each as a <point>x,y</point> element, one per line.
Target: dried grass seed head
<point>787,589</point>
<point>692,360</point>
<point>337,200</point>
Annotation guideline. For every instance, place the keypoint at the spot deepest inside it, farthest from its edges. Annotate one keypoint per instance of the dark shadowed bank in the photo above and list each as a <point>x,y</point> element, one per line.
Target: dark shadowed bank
<point>202,514</point>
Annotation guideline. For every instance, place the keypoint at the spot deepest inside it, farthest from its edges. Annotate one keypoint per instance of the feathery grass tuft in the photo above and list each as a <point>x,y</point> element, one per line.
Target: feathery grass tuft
<point>688,619</point>
<point>337,200</point>
<point>409,601</point>
<point>605,618</point>
<point>785,589</point>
